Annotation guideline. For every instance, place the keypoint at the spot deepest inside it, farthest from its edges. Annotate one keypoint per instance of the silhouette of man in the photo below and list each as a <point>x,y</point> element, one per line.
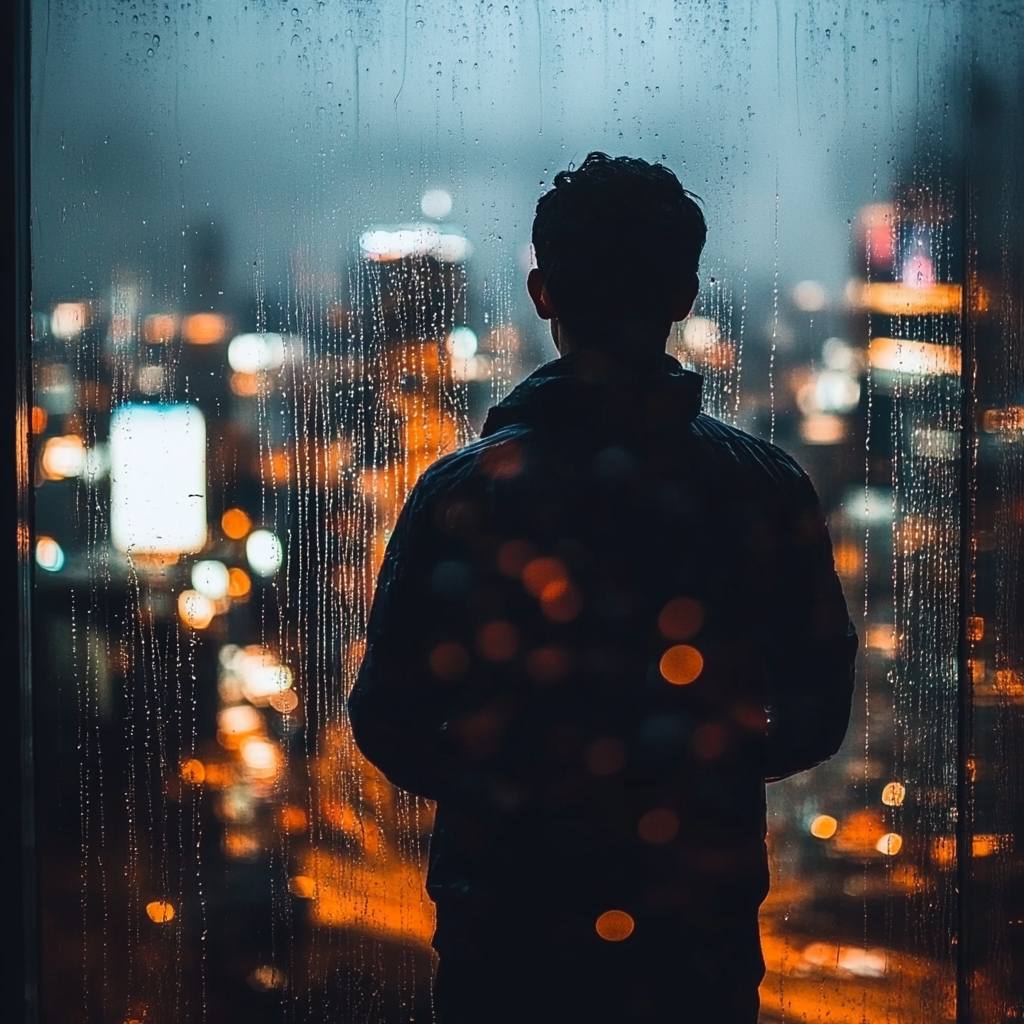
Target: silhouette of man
<point>597,632</point>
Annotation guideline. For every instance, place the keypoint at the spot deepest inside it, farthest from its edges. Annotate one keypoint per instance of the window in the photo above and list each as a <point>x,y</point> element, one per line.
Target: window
<point>279,254</point>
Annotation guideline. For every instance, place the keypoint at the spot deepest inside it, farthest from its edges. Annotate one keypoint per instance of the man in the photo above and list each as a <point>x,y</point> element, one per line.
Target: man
<point>597,631</point>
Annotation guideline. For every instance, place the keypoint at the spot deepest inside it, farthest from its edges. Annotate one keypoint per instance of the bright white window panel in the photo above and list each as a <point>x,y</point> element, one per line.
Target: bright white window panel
<point>158,479</point>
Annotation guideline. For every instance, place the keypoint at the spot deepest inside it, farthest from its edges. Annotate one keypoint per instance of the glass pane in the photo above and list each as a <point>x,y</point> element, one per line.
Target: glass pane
<point>279,268</point>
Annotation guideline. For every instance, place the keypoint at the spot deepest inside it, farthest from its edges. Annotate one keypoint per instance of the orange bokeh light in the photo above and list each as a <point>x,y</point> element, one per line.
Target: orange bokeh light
<point>896,298</point>
<point>681,618</point>
<point>449,661</point>
<point>235,523</point>
<point>497,641</point>
<point>240,845</point>
<point>561,601</point>
<point>39,419</point>
<point>860,832</point>
<point>63,457</point>
<point>302,886</point>
<point>204,328</point>
<point>548,664</point>
<point>890,844</point>
<point>985,844</point>
<point>245,385</point>
<point>514,556</point>
<point>160,911</point>
<point>914,357</point>
<point>681,664</point>
<point>846,558</point>
<point>159,328</point>
<point>554,590</point>
<point>292,819</point>
<point>824,826</point>
<point>194,610</point>
<point>658,826</point>
<point>893,794</point>
<point>614,925</point>
<point>502,461</point>
<point>239,583</point>
<point>193,771</point>
<point>541,573</point>
<point>218,775</point>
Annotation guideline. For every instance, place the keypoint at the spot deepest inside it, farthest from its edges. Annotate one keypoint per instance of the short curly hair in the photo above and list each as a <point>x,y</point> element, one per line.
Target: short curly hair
<point>616,239</point>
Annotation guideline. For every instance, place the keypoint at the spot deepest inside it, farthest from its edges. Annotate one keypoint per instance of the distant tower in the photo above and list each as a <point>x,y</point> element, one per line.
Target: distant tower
<point>205,268</point>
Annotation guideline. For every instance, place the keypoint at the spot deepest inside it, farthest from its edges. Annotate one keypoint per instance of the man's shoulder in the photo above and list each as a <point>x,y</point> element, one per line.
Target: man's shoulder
<point>500,457</point>
<point>746,452</point>
<point>495,457</point>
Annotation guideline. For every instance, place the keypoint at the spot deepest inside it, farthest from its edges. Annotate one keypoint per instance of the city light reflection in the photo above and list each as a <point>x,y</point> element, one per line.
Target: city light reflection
<point>681,664</point>
<point>204,328</point>
<point>253,353</point>
<point>615,925</point>
<point>159,328</point>
<point>195,610</point>
<point>211,579</point>
<point>235,523</point>
<point>896,299</point>
<point>264,553</point>
<point>824,826</point>
<point>69,319</point>
<point>49,554</point>
<point>900,355</point>
<point>894,794</point>
<point>63,457</point>
<point>160,911</point>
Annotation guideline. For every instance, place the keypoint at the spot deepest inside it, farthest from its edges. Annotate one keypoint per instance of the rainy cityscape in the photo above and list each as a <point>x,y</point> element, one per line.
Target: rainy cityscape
<point>280,261</point>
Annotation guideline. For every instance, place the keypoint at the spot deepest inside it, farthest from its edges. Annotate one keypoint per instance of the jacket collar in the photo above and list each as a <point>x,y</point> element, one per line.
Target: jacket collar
<point>586,389</point>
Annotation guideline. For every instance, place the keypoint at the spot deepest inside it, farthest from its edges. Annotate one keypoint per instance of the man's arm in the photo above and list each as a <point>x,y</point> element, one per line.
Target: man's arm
<point>397,706</point>
<point>812,646</point>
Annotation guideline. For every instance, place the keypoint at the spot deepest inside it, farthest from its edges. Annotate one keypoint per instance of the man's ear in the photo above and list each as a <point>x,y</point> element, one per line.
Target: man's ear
<point>541,300</point>
<point>687,297</point>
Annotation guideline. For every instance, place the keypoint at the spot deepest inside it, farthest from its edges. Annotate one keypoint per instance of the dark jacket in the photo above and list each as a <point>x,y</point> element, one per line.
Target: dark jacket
<point>597,631</point>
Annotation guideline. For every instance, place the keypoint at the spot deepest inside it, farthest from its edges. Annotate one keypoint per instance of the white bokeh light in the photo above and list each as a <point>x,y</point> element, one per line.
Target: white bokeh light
<point>263,550</point>
<point>250,353</point>
<point>69,319</point>
<point>210,578</point>
<point>462,343</point>
<point>261,681</point>
<point>436,203</point>
<point>384,244</point>
<point>49,554</point>
<point>64,457</point>
<point>809,296</point>
<point>839,355</point>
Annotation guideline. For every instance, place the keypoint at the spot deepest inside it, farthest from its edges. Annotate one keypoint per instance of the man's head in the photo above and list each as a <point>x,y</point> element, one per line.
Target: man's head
<point>617,243</point>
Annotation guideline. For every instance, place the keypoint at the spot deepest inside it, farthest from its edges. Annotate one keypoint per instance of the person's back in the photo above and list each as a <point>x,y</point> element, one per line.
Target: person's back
<point>583,624</point>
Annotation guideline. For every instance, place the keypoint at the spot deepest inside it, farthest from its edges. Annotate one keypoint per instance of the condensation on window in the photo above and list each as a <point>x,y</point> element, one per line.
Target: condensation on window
<point>279,269</point>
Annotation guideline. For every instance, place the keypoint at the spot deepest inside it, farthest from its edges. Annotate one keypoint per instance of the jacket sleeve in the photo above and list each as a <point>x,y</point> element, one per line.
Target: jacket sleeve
<point>812,644</point>
<point>397,708</point>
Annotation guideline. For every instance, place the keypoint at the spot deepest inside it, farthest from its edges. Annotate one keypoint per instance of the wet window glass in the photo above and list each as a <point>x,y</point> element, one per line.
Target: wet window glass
<point>279,265</point>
